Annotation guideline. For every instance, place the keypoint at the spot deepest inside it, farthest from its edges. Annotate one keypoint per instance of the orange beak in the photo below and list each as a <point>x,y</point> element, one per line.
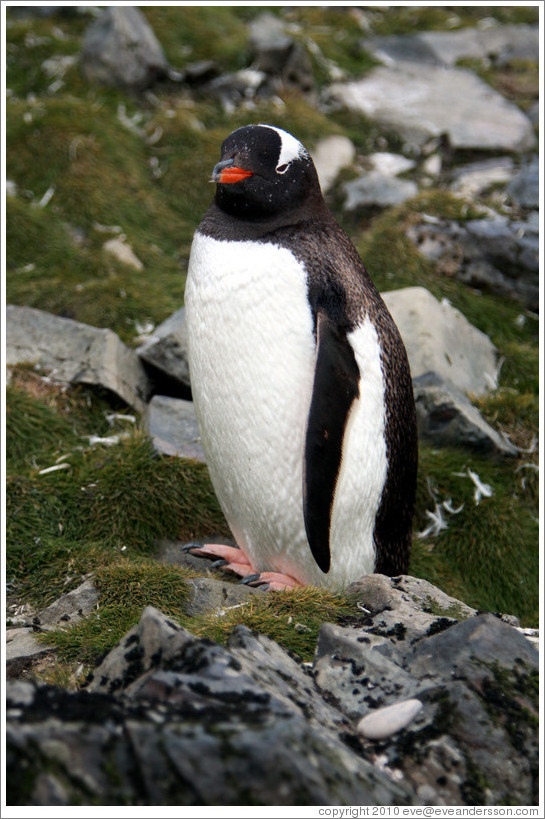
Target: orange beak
<point>227,172</point>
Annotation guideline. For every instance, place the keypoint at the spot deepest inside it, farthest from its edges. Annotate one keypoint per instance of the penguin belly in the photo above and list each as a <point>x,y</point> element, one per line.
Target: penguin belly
<point>252,353</point>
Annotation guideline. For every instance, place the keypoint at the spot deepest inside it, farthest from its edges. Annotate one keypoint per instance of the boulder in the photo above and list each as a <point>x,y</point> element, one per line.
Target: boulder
<point>446,417</point>
<point>439,338</point>
<point>420,102</point>
<point>497,43</point>
<point>377,189</point>
<point>280,56</point>
<point>164,355</point>
<point>331,155</point>
<point>419,701</point>
<point>75,353</point>
<point>524,188</point>
<point>172,425</point>
<point>119,48</point>
<point>496,254</point>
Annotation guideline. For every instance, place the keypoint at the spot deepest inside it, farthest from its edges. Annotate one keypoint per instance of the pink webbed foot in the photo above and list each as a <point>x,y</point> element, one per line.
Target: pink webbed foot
<point>274,580</point>
<point>236,561</point>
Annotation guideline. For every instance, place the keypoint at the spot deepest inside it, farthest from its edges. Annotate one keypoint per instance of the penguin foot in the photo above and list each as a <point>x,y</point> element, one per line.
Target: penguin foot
<point>272,580</point>
<point>228,558</point>
<point>233,559</point>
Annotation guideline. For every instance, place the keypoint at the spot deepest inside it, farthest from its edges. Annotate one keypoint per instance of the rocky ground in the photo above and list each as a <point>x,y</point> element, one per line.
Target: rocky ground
<point>300,716</point>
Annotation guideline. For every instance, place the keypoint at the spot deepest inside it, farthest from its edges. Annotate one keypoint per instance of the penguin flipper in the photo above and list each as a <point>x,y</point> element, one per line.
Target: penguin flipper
<point>336,384</point>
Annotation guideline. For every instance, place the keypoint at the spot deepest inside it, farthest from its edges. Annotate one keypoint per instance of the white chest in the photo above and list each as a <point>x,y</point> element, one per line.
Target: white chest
<point>251,352</point>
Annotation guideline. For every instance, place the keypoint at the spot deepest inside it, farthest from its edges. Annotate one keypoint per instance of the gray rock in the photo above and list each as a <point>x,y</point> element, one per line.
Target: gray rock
<point>70,608</point>
<point>275,731</point>
<point>280,56</point>
<point>234,89</point>
<point>155,639</point>
<point>75,353</point>
<point>377,189</point>
<point>524,188</point>
<point>23,649</point>
<point>210,594</point>
<point>172,425</point>
<point>446,417</point>
<point>439,338</point>
<point>496,254</point>
<point>331,155</point>
<point>420,102</point>
<point>120,49</point>
<point>471,180</point>
<point>497,43</point>
<point>164,354</point>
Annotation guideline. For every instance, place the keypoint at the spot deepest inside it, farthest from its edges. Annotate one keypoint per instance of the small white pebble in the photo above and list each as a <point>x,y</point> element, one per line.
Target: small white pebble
<point>386,721</point>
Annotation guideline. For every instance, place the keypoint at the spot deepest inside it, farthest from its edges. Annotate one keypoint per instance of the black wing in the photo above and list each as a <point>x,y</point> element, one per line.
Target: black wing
<point>336,384</point>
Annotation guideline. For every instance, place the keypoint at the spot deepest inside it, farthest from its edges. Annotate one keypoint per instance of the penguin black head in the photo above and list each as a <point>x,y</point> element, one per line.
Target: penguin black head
<point>264,171</point>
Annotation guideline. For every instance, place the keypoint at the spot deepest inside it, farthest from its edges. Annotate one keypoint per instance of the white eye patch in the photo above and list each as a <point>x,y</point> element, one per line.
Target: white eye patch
<point>290,149</point>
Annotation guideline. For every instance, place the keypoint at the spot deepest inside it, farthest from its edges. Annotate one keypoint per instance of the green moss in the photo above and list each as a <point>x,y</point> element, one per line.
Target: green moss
<point>291,618</point>
<point>63,524</point>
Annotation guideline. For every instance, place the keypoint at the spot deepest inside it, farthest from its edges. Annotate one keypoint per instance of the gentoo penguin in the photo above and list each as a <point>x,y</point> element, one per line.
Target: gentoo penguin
<point>299,376</point>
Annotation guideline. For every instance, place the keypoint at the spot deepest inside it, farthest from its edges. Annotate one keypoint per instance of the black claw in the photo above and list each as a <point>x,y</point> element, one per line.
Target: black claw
<point>250,578</point>
<point>193,545</point>
<point>219,563</point>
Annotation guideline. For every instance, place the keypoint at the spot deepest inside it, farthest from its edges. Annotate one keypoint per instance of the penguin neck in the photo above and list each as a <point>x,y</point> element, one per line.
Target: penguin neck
<point>221,225</point>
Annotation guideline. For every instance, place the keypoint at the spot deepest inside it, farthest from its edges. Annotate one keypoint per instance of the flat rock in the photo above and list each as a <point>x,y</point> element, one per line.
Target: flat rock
<point>421,102</point>
<point>377,189</point>
<point>439,338</point>
<point>471,180</point>
<point>121,49</point>
<point>164,354</point>
<point>70,608</point>
<point>172,425</point>
<point>446,417</point>
<point>331,155</point>
<point>75,353</point>
<point>498,43</point>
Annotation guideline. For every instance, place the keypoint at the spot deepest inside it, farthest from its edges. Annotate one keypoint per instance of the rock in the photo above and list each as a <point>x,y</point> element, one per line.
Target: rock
<point>439,338</point>
<point>275,731</point>
<point>123,253</point>
<point>498,44</point>
<point>524,188</point>
<point>389,164</point>
<point>234,89</point>
<point>165,356</point>
<point>496,254</point>
<point>471,180</point>
<point>446,417</point>
<point>119,48</point>
<point>276,53</point>
<point>75,353</point>
<point>209,594</point>
<point>70,608</point>
<point>384,722</point>
<point>331,155</point>
<point>377,189</point>
<point>23,649</point>
<point>172,425</point>
<point>420,102</point>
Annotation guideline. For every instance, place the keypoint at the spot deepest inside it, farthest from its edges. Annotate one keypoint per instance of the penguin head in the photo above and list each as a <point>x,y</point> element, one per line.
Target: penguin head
<point>263,172</point>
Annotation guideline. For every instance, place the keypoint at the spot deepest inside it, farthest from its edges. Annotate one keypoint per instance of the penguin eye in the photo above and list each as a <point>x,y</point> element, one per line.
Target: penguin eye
<point>282,168</point>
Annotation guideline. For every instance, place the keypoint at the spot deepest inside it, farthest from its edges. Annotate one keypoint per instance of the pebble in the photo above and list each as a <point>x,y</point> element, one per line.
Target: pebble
<point>386,721</point>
